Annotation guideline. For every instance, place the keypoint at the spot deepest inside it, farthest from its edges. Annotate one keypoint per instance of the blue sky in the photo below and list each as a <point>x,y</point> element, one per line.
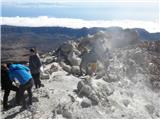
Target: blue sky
<point>146,10</point>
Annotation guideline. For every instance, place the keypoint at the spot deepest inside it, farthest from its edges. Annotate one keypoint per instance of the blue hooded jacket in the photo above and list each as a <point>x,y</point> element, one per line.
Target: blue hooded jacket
<point>19,72</point>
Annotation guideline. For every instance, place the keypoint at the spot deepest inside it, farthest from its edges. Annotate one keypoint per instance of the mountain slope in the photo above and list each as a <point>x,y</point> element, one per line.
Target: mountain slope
<point>126,83</point>
<point>17,40</point>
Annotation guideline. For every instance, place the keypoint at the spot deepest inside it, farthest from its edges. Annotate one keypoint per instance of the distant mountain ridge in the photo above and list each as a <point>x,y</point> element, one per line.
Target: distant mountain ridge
<point>145,35</point>
<point>75,33</point>
<point>17,40</point>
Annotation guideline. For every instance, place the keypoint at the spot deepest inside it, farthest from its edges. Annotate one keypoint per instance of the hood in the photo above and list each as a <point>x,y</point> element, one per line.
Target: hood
<point>15,67</point>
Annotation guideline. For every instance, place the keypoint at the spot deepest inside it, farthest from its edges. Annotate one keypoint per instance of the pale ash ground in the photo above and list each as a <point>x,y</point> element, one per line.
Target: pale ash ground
<point>130,99</point>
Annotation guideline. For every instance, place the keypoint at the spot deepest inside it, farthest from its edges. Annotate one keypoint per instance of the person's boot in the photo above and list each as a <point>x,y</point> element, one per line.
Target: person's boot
<point>17,101</point>
<point>41,85</point>
<point>6,107</point>
<point>30,101</point>
<point>24,107</point>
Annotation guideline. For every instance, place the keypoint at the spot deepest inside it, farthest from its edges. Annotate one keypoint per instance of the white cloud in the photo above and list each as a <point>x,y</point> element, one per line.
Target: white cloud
<point>78,23</point>
<point>75,2</point>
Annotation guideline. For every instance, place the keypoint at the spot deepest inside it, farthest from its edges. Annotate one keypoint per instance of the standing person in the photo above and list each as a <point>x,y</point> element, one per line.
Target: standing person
<point>34,65</point>
<point>23,79</point>
<point>6,85</point>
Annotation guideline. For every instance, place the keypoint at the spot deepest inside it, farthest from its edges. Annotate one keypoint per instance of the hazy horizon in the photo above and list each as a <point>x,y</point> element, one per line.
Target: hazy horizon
<point>82,13</point>
<point>144,10</point>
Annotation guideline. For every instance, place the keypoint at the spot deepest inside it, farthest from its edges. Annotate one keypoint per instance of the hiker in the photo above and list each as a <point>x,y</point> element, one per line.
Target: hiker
<point>6,85</point>
<point>20,74</point>
<point>35,65</point>
<point>89,62</point>
<point>92,67</point>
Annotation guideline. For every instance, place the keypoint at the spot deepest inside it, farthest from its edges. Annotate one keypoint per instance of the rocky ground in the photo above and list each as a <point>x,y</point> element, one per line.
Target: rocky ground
<point>126,84</point>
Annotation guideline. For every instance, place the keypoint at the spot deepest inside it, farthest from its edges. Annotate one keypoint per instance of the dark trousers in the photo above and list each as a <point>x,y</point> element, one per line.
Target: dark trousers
<point>36,78</point>
<point>23,88</point>
<point>6,94</point>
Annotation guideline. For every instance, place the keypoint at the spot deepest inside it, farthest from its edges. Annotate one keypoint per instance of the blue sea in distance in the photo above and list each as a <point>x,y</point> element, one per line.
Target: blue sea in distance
<point>149,13</point>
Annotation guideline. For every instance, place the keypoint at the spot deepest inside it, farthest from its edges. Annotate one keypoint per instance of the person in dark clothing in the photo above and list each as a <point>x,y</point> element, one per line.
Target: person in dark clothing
<point>34,65</point>
<point>21,74</point>
<point>6,85</point>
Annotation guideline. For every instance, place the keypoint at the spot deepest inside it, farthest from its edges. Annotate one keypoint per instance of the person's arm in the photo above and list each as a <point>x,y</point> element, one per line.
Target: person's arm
<point>38,62</point>
<point>2,83</point>
<point>12,77</point>
<point>24,67</point>
<point>27,69</point>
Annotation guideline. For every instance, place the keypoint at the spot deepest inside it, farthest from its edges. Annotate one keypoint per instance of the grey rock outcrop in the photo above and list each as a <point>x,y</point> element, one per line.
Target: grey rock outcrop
<point>75,70</point>
<point>66,67</point>
<point>73,59</point>
<point>86,103</point>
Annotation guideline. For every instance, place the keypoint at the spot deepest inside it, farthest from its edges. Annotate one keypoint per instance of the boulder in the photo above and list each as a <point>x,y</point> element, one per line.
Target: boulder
<point>45,76</point>
<point>156,84</point>
<point>66,67</point>
<point>154,78</point>
<point>86,103</point>
<point>74,59</point>
<point>109,90</point>
<point>46,71</point>
<point>86,89</point>
<point>77,52</point>
<point>94,99</point>
<point>83,88</point>
<point>53,68</point>
<point>110,78</point>
<point>67,47</point>
<point>138,57</point>
<point>100,66</point>
<point>1,101</point>
<point>64,50</point>
<point>49,60</point>
<point>126,102</point>
<point>155,81</point>
<point>152,68</point>
<point>67,114</point>
<point>106,88</point>
<point>100,74</point>
<point>150,109</point>
<point>80,85</point>
<point>75,70</point>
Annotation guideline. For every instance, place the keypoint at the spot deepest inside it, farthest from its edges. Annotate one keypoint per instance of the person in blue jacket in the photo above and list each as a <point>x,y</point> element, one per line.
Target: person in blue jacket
<point>20,75</point>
